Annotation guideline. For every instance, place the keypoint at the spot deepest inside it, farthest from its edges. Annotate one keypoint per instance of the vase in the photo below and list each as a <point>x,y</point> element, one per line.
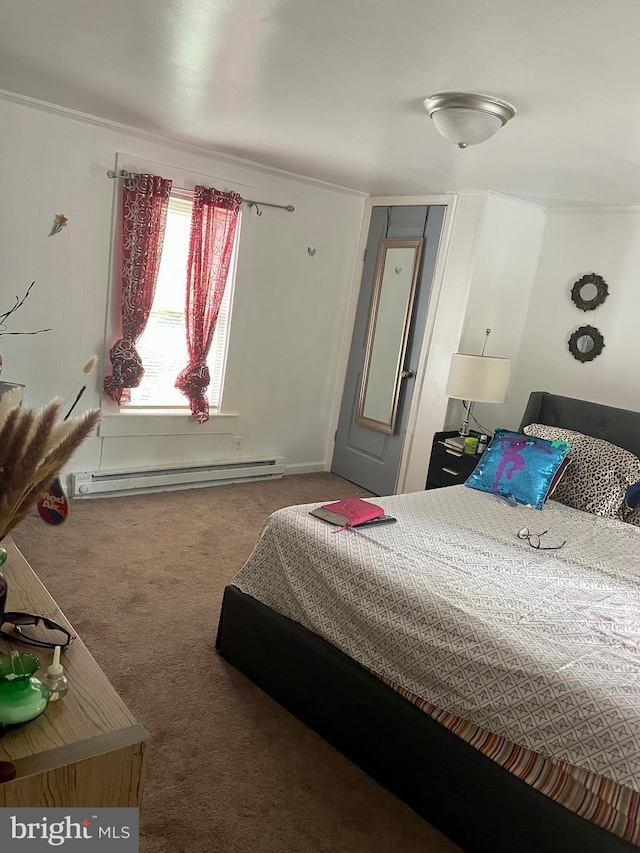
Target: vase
<point>3,584</point>
<point>22,697</point>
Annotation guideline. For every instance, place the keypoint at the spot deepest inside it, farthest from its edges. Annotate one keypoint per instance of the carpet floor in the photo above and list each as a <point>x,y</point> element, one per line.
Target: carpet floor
<point>230,771</point>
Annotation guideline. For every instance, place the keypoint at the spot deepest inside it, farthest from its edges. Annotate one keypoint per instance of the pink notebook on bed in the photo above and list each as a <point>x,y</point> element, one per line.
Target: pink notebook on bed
<point>348,512</point>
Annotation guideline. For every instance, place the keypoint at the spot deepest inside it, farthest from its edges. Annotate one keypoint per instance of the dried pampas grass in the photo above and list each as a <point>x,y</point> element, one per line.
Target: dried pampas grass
<point>33,449</point>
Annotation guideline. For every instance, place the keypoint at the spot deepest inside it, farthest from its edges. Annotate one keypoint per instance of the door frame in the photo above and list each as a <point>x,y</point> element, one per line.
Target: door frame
<point>416,447</point>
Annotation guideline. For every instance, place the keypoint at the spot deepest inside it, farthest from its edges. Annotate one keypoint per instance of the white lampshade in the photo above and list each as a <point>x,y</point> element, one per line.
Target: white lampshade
<point>479,378</point>
<point>467,118</point>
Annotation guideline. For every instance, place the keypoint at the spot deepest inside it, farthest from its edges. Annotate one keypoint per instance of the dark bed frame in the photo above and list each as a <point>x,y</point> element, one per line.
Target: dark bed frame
<point>466,795</point>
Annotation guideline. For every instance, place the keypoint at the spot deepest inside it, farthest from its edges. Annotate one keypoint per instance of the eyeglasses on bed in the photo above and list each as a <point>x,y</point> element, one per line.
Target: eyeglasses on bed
<point>34,630</point>
<point>534,539</point>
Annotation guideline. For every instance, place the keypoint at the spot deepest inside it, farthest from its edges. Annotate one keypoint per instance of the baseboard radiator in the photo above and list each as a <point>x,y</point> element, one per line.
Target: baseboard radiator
<point>92,484</point>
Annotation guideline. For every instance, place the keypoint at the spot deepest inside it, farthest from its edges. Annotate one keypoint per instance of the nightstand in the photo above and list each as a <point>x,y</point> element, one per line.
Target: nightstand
<point>446,466</point>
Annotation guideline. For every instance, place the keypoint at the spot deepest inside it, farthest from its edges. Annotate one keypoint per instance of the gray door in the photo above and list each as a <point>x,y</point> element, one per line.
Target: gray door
<point>365,456</point>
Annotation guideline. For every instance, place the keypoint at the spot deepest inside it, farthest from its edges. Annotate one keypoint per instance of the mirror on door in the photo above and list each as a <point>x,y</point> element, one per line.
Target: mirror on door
<point>387,333</point>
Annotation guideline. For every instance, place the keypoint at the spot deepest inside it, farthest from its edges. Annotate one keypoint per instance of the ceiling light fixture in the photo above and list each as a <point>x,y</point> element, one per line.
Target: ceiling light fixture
<point>467,118</point>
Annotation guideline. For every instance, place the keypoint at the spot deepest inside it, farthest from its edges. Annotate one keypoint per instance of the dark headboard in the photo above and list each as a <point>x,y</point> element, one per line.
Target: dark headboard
<point>618,426</point>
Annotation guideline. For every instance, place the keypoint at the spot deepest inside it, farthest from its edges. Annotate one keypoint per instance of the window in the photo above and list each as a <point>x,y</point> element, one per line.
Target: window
<point>163,344</point>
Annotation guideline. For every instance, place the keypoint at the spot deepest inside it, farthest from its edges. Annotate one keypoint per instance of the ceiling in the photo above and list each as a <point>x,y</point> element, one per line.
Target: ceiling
<point>333,89</point>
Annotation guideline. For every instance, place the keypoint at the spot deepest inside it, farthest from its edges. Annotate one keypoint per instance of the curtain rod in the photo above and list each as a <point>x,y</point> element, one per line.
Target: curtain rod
<point>248,201</point>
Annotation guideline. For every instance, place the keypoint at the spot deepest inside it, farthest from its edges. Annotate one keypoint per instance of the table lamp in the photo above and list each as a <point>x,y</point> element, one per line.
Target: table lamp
<point>477,379</point>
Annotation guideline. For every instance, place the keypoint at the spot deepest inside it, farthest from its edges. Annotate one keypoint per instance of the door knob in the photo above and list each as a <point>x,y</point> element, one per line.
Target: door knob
<point>407,374</point>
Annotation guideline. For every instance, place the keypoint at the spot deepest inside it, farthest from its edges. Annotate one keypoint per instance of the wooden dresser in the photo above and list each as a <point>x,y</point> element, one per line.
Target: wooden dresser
<point>86,749</point>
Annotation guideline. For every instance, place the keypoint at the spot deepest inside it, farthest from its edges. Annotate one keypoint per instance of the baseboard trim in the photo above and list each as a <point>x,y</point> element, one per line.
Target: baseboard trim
<point>305,467</point>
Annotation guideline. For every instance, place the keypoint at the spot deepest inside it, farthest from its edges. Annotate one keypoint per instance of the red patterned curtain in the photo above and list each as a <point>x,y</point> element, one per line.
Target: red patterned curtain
<point>213,227</point>
<point>145,199</point>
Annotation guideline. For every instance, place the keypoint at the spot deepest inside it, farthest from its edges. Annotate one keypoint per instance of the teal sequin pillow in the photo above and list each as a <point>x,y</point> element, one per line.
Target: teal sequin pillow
<point>520,467</point>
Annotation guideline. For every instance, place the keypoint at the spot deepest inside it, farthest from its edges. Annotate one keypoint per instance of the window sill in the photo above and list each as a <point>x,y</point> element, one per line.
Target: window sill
<point>171,411</point>
<point>164,422</point>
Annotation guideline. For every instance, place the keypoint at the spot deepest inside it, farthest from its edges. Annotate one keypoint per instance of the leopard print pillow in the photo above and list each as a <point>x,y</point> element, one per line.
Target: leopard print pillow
<point>634,517</point>
<point>599,473</point>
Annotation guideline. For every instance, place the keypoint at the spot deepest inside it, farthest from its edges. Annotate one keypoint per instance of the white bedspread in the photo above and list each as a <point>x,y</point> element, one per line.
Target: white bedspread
<point>540,647</point>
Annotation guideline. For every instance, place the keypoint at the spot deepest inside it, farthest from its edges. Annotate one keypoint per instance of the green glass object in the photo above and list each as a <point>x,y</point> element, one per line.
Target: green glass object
<point>22,697</point>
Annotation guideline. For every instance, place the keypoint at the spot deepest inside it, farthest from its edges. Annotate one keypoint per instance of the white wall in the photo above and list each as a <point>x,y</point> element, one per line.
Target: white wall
<point>578,242</point>
<point>506,258</point>
<point>511,266</point>
<point>488,274</point>
<point>293,312</point>
<point>289,315</point>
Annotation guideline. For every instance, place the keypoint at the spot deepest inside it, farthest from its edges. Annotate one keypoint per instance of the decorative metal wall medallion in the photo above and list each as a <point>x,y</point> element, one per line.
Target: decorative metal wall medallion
<point>589,292</point>
<point>586,343</point>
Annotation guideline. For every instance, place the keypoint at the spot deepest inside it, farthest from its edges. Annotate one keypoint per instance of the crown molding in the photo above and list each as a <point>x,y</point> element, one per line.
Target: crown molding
<point>171,142</point>
<point>605,208</point>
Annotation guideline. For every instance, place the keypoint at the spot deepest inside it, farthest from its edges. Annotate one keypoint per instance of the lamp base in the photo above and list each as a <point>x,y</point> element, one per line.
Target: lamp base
<point>464,427</point>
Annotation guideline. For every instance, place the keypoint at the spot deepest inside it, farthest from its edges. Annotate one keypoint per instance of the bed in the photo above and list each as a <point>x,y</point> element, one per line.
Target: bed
<point>370,689</point>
